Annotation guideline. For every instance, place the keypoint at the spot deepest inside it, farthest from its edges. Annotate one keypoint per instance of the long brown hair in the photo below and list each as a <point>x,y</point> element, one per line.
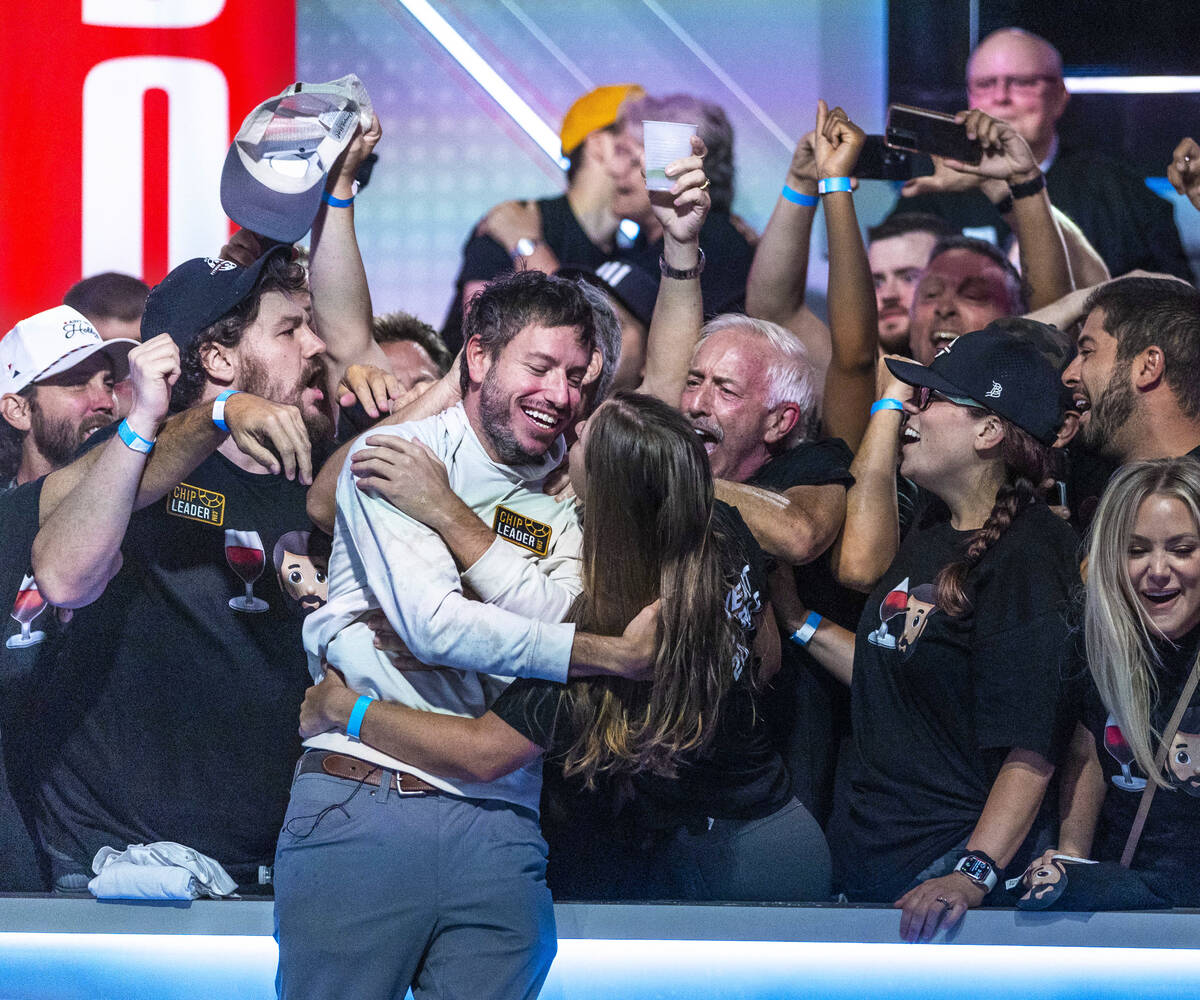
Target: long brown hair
<point>1027,464</point>
<point>647,534</point>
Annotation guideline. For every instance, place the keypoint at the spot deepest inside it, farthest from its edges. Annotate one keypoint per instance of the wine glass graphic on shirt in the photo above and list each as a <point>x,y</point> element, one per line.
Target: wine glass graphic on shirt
<point>244,553</point>
<point>28,605</point>
<point>1120,751</point>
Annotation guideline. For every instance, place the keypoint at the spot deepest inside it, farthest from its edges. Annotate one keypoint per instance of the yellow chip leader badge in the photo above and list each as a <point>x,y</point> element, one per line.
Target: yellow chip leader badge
<point>206,506</point>
<point>522,530</point>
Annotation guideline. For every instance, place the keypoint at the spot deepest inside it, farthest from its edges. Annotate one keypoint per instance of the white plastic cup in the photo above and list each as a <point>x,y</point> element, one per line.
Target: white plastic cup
<point>663,143</point>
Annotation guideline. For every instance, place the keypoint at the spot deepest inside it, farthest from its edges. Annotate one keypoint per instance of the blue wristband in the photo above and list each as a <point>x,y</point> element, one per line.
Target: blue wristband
<point>805,632</point>
<point>336,202</point>
<point>887,403</point>
<point>356,716</point>
<point>799,197</point>
<point>218,411</point>
<point>133,440</point>
<point>829,185</point>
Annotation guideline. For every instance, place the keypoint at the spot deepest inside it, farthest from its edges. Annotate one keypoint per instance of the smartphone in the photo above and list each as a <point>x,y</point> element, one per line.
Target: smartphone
<point>879,162</point>
<point>919,130</point>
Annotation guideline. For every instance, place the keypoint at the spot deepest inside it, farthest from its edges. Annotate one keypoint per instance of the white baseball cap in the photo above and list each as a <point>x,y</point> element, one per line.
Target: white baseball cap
<point>52,342</point>
<point>276,167</point>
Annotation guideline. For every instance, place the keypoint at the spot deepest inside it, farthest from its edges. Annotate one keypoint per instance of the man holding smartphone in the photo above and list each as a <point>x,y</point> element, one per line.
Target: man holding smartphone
<point>1016,77</point>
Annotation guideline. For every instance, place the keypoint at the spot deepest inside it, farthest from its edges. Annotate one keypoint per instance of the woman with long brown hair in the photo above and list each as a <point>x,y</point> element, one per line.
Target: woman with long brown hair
<point>711,795</point>
<point>954,669</point>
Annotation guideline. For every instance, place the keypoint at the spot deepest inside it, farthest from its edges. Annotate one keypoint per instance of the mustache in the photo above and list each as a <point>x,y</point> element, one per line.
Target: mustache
<point>709,427</point>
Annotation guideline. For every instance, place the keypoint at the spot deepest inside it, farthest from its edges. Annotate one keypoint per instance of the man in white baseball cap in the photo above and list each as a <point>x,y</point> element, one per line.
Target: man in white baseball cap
<point>56,390</point>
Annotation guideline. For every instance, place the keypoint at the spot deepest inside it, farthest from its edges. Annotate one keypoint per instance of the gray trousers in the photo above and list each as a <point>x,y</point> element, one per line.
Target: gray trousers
<point>376,892</point>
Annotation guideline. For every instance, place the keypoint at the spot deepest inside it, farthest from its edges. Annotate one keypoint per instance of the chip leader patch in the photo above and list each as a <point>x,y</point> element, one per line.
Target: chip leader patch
<point>522,530</point>
<point>196,504</point>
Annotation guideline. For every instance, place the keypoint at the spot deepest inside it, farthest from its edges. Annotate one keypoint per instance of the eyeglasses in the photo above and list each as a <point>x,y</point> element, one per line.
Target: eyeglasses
<point>1019,84</point>
<point>926,396</point>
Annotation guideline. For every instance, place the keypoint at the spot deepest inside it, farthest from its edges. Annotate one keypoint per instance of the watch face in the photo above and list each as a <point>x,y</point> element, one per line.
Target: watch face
<point>975,868</point>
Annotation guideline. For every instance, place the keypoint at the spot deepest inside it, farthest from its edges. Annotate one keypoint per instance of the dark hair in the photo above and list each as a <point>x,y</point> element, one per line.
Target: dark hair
<point>512,302</point>
<point>904,223</point>
<point>279,274</point>
<point>11,440</point>
<point>394,327</point>
<point>108,296</point>
<point>712,125</point>
<point>648,533</point>
<point>1160,312</point>
<point>1027,463</point>
<point>1018,290</point>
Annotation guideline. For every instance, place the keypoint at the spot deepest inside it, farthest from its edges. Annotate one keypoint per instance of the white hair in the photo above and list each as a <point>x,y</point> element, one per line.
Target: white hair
<point>789,375</point>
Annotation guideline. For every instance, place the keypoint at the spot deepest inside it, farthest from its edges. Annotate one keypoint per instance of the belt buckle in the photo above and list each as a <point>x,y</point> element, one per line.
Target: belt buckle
<point>398,781</point>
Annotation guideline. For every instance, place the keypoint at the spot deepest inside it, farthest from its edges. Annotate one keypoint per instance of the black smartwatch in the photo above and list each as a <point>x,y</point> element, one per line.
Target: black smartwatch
<point>979,868</point>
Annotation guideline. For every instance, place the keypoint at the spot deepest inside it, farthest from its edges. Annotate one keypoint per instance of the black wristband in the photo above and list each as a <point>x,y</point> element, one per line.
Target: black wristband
<point>1027,189</point>
<point>680,274</point>
<point>1004,205</point>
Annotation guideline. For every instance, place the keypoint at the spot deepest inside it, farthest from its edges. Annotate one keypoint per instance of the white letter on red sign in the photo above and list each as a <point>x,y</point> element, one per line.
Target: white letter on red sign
<point>198,134</point>
<point>151,13</point>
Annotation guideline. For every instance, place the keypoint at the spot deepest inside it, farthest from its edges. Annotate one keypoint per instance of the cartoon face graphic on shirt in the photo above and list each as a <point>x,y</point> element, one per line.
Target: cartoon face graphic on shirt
<point>302,565</point>
<point>904,611</point>
<point>1183,753</point>
<point>1044,883</point>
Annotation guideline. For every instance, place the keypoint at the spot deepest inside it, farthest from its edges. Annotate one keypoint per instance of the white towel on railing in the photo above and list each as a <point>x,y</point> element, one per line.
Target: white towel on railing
<point>162,870</point>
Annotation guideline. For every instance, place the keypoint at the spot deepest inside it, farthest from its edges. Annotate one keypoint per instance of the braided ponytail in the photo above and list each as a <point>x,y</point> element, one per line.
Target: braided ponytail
<point>1027,463</point>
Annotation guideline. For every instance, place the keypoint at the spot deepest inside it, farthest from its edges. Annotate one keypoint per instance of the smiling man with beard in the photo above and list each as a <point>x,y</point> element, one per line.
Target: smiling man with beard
<point>1136,376</point>
<point>56,390</point>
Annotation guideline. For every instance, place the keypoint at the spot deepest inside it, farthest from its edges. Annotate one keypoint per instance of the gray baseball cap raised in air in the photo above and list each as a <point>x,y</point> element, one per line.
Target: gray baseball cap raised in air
<point>276,167</point>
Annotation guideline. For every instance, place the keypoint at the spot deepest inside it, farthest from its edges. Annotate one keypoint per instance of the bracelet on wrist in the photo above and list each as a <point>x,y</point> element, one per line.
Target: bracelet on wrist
<point>1027,189</point>
<point>133,440</point>
<point>218,410</point>
<point>887,403</point>
<point>803,635</point>
<point>1004,205</point>
<point>330,200</point>
<point>354,723</point>
<point>681,274</point>
<point>799,197</point>
<point>831,185</point>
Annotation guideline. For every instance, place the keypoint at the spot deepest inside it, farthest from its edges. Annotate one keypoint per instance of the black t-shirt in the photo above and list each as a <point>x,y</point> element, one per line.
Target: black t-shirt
<point>727,257</point>
<point>1168,853</point>
<point>18,528</point>
<point>169,714</point>
<point>484,259</point>
<point>938,702</point>
<point>740,776</point>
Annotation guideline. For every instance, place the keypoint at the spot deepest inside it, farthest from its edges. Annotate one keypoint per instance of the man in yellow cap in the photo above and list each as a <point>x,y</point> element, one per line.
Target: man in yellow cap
<point>577,228</point>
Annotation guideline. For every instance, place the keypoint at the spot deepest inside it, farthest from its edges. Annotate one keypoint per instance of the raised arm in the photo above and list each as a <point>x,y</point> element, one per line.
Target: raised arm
<point>78,548</point>
<point>796,525</point>
<point>678,310</point>
<point>853,319</point>
<point>341,300</point>
<point>870,537</point>
<point>1184,170</point>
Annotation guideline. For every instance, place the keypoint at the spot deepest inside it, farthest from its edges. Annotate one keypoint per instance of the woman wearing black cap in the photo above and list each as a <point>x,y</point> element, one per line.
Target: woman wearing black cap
<point>954,669</point>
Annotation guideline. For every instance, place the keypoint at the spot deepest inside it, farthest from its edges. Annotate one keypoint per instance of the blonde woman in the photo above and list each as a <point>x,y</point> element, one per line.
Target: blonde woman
<point>1137,738</point>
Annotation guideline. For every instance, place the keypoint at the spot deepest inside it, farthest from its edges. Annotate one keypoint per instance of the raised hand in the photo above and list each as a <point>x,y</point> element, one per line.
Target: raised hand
<point>1184,170</point>
<point>802,171</point>
<point>836,142</point>
<point>377,390</point>
<point>682,210</point>
<point>153,369</point>
<point>1006,156</point>
<point>512,221</point>
<point>341,175</point>
<point>273,434</point>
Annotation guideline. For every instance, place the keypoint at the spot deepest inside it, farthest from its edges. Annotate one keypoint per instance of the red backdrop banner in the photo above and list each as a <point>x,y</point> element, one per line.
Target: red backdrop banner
<point>116,121</point>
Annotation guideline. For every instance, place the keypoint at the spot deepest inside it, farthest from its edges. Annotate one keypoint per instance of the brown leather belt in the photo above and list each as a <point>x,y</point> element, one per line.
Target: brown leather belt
<point>342,765</point>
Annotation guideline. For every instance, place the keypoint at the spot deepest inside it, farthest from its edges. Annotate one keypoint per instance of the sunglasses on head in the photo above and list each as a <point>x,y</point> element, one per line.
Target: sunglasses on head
<point>926,395</point>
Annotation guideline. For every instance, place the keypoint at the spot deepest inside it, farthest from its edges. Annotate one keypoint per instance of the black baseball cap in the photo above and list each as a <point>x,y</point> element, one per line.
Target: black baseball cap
<point>634,287</point>
<point>198,293</point>
<point>1006,374</point>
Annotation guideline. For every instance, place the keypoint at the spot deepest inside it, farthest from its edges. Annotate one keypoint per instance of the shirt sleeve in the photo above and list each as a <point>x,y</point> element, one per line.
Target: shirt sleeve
<point>545,591</point>
<point>414,579</point>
